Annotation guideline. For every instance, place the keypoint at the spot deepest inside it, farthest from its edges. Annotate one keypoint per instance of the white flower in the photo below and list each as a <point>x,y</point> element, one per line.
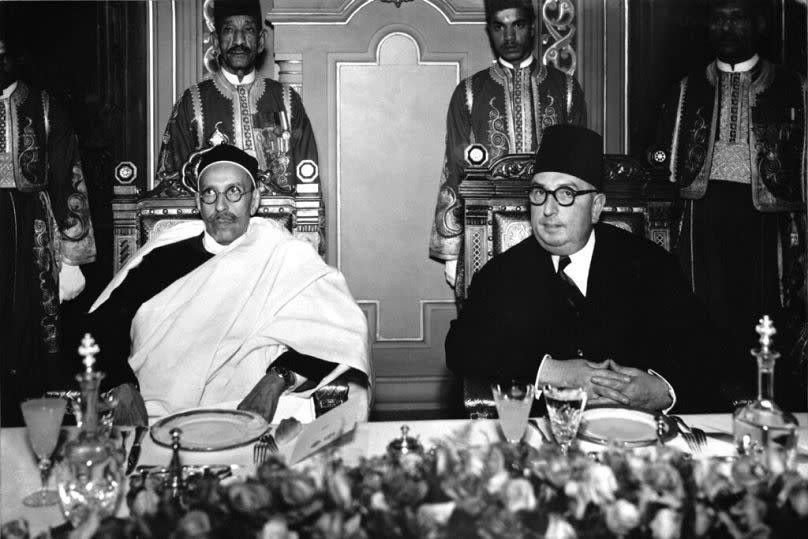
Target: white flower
<point>799,502</point>
<point>519,495</point>
<point>622,517</point>
<point>558,528</point>
<point>496,482</point>
<point>599,484</point>
<point>339,488</point>
<point>276,528</point>
<point>667,524</point>
<point>410,462</point>
<point>145,503</point>
<point>474,463</point>
<point>433,515</point>
<point>378,502</point>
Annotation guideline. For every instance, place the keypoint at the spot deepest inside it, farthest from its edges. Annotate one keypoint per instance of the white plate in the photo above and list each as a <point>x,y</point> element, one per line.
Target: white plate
<point>624,426</point>
<point>210,429</point>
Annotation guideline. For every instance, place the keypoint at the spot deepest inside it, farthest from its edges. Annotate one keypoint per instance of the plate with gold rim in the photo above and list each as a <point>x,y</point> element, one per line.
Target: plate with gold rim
<point>626,427</point>
<point>210,429</point>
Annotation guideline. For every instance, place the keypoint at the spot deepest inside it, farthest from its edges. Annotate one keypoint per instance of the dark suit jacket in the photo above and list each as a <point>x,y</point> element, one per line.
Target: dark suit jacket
<point>639,311</point>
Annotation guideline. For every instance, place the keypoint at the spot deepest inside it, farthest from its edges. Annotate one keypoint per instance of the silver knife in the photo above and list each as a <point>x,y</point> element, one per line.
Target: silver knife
<point>134,453</point>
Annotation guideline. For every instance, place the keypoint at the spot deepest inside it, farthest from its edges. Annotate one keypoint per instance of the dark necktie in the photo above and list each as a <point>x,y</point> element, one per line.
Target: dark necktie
<point>572,293</point>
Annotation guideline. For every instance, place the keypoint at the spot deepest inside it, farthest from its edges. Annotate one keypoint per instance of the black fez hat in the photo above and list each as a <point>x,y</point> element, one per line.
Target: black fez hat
<point>573,150</point>
<point>229,8</point>
<point>225,153</point>
<point>494,6</point>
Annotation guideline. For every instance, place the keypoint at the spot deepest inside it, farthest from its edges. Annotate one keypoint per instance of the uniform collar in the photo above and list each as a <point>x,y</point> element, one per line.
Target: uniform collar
<point>249,78</point>
<point>525,63</point>
<point>740,67</point>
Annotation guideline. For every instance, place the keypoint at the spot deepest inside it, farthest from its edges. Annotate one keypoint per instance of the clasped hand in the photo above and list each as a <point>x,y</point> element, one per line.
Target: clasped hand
<point>633,387</point>
<point>608,382</point>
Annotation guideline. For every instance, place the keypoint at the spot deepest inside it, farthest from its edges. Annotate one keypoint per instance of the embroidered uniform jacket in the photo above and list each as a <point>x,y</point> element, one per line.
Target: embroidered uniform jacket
<point>245,114</point>
<point>776,99</point>
<point>505,110</point>
<point>39,153</point>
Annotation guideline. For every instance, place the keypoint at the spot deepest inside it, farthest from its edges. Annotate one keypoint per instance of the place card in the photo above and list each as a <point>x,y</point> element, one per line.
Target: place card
<point>327,428</point>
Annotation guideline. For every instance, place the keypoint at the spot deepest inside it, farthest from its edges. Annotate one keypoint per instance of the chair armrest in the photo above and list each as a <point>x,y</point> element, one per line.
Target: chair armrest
<point>477,398</point>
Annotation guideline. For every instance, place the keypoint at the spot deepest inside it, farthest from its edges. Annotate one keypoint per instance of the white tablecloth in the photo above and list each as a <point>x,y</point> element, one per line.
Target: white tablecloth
<point>19,476</point>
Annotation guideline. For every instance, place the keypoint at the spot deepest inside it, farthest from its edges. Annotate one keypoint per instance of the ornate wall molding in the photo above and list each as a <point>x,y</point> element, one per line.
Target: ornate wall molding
<point>340,12</point>
<point>373,308</point>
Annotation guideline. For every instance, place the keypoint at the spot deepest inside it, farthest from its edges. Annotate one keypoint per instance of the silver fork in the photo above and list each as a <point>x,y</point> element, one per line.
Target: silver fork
<point>689,435</point>
<point>692,442</point>
<point>266,446</point>
<point>701,438</point>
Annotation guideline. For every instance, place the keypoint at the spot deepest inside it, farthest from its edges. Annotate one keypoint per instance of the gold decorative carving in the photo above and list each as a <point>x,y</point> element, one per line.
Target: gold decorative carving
<point>558,17</point>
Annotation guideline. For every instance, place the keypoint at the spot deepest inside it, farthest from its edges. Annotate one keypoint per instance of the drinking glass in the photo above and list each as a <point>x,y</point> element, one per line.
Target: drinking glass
<point>43,419</point>
<point>565,406</point>
<point>513,407</point>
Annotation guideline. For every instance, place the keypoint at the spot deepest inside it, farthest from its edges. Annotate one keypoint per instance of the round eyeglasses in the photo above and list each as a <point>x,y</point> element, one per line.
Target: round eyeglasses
<point>565,196</point>
<point>233,194</point>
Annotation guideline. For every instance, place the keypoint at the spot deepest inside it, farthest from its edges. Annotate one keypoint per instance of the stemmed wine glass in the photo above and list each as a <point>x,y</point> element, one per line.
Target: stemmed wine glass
<point>565,407</point>
<point>43,419</point>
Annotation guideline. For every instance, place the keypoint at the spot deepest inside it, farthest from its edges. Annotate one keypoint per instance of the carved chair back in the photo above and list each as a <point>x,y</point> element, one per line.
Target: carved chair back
<point>137,216</point>
<point>497,217</point>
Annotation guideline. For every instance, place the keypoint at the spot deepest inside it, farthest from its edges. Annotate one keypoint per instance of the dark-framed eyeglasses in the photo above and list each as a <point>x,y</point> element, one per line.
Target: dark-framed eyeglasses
<point>232,193</point>
<point>565,196</point>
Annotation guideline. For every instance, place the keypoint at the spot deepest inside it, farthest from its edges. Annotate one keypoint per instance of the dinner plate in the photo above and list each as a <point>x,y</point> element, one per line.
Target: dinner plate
<point>210,429</point>
<point>625,426</point>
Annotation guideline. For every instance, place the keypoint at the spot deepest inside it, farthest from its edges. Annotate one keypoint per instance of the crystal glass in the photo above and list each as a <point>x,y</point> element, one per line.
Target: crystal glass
<point>91,474</point>
<point>761,429</point>
<point>513,407</point>
<point>43,419</point>
<point>565,406</point>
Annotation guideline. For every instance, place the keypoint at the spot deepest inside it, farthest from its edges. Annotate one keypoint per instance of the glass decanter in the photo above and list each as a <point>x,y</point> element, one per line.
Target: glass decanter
<point>91,475</point>
<point>761,429</point>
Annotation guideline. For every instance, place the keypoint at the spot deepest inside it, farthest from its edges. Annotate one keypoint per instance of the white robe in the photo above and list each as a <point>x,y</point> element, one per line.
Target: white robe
<point>208,338</point>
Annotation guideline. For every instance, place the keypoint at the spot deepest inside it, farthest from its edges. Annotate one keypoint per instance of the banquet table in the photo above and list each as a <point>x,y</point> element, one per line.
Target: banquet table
<point>19,475</point>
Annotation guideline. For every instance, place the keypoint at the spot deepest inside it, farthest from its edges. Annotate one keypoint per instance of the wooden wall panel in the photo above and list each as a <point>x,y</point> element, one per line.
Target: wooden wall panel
<point>377,80</point>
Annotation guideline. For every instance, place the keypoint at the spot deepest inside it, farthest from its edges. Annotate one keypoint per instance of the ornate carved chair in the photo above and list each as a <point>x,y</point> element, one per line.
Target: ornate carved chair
<point>138,215</point>
<point>497,217</point>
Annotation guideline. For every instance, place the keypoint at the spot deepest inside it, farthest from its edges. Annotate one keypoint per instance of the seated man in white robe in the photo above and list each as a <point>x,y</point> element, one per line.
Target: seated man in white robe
<point>228,309</point>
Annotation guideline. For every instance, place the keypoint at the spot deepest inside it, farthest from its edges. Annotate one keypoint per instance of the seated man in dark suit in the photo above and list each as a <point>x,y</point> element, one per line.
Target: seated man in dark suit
<point>610,309</point>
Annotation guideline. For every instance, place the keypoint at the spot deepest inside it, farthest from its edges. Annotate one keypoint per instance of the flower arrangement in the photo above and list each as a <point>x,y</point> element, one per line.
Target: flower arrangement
<point>497,490</point>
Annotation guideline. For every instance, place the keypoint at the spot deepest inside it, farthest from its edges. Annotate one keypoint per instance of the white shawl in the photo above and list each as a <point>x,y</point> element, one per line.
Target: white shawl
<point>209,337</point>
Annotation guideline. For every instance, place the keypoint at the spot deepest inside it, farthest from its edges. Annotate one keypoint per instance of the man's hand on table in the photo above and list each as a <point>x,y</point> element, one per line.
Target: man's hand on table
<point>131,410</point>
<point>643,390</point>
<point>581,373</point>
<point>263,398</point>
